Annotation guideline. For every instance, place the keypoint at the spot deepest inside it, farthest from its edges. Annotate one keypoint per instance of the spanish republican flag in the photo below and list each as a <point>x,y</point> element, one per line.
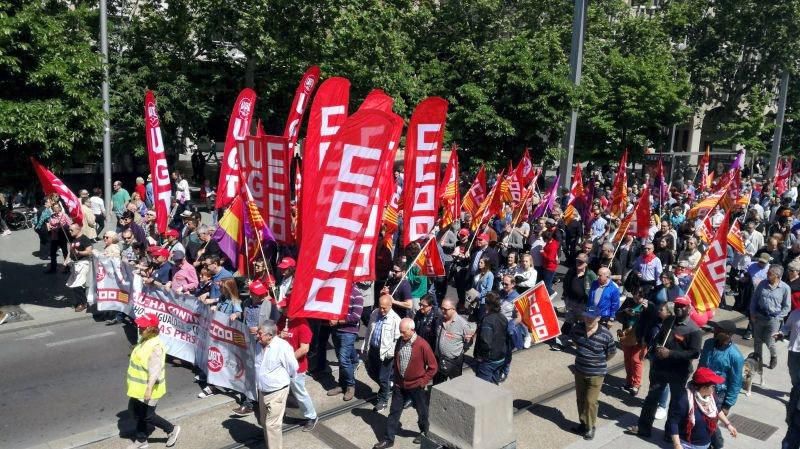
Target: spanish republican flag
<point>476,193</point>
<point>619,193</point>
<point>229,233</point>
<point>708,283</point>
<point>448,191</point>
<point>735,237</point>
<point>430,261</point>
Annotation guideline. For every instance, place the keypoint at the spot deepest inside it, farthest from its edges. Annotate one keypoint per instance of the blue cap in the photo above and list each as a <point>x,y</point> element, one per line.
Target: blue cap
<point>591,312</point>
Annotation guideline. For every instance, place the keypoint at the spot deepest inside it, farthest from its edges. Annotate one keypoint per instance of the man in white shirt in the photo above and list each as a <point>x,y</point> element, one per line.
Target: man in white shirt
<point>275,365</point>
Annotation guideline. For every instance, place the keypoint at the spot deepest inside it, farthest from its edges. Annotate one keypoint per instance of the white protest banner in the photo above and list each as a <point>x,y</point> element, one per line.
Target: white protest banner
<point>113,285</point>
<point>179,317</point>
<point>230,358</point>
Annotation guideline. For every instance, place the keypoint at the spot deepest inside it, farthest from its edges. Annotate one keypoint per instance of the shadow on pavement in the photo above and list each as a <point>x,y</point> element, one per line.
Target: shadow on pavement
<point>28,284</point>
<point>243,431</point>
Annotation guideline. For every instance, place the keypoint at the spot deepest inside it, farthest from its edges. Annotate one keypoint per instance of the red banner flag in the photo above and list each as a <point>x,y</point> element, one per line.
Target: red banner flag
<point>705,179</point>
<point>431,259</point>
<point>708,283</point>
<point>366,248</point>
<point>51,184</point>
<point>619,193</point>
<point>162,190</point>
<point>238,129</point>
<point>253,167</point>
<point>537,313</point>
<point>328,113</point>
<point>783,174</point>
<point>379,100</point>
<point>276,190</point>
<point>448,190</point>
<point>524,169</point>
<point>347,182</point>
<point>423,152</point>
<point>476,193</point>
<point>302,96</point>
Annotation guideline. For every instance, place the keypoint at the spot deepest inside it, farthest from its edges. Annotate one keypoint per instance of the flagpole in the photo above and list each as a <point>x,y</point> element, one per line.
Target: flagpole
<point>266,263</point>
<point>514,220</point>
<point>405,272</point>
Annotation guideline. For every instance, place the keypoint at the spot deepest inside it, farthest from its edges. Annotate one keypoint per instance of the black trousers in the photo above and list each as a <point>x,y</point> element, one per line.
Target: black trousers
<point>55,245</point>
<point>648,414</point>
<point>448,369</point>
<point>146,419</point>
<point>418,397</point>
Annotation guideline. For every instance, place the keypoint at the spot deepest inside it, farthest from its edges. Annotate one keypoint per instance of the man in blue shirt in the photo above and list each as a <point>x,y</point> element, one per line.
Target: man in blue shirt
<point>163,274</point>
<point>214,264</point>
<point>723,357</point>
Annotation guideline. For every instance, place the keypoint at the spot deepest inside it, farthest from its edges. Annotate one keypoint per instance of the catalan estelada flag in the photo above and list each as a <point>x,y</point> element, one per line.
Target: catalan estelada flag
<point>735,237</point>
<point>708,283</point>
<point>229,233</point>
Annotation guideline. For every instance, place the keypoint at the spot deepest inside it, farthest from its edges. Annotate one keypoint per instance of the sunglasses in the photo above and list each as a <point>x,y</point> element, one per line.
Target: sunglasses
<point>447,309</point>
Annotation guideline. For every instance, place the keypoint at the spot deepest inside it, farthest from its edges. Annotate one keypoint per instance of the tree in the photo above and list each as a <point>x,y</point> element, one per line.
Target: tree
<point>50,75</point>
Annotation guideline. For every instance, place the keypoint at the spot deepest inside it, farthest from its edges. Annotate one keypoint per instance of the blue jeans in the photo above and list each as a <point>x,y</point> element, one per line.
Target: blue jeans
<point>344,343</point>
<point>490,370</point>
<point>663,401</point>
<point>547,277</point>
<point>298,387</point>
<point>381,372</point>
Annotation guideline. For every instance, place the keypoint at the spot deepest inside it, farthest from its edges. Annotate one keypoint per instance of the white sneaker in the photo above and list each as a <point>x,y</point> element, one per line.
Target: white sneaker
<point>3,317</point>
<point>206,392</point>
<point>661,413</point>
<point>173,437</point>
<point>138,445</point>
<point>7,232</point>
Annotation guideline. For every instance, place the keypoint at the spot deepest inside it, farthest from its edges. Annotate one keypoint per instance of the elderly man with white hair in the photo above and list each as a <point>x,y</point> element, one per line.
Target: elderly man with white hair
<point>414,367</point>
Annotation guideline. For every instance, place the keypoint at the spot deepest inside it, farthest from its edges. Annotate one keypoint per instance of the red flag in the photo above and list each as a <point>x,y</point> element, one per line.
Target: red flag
<point>705,179</point>
<point>51,184</point>
<point>537,313</point>
<point>782,175</point>
<point>328,113</point>
<point>367,246</point>
<point>431,260</point>
<point>706,231</point>
<point>708,283</point>
<point>423,152</point>
<point>576,189</point>
<point>489,207</point>
<point>623,228</point>
<point>640,224</point>
<point>162,190</point>
<point>377,99</point>
<point>277,189</point>
<point>347,182</point>
<point>302,96</point>
<point>476,193</point>
<point>448,190</point>
<point>619,193</point>
<point>253,168</point>
<point>525,168</point>
<point>238,129</point>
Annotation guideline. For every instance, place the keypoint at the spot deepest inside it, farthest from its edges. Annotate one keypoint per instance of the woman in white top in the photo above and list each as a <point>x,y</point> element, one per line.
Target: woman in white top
<point>525,277</point>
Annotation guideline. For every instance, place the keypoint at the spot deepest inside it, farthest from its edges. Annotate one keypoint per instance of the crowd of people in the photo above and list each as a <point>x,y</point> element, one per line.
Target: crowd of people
<point>628,293</point>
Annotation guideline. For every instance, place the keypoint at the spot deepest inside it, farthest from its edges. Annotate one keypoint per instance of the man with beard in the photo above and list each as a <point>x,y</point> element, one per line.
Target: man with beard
<point>676,346</point>
<point>399,290</point>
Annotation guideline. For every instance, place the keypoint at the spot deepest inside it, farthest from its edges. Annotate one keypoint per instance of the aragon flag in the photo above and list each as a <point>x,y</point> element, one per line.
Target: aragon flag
<point>708,283</point>
<point>448,191</point>
<point>619,193</point>
<point>476,193</point>
<point>735,237</point>
<point>431,260</point>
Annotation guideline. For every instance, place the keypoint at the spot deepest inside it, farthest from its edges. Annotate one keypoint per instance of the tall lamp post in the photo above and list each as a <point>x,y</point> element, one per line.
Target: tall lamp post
<point>106,119</point>
<point>776,138</point>
<point>575,63</point>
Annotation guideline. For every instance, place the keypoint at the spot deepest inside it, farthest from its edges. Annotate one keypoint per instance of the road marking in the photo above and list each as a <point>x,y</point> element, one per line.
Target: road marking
<point>75,340</point>
<point>35,336</point>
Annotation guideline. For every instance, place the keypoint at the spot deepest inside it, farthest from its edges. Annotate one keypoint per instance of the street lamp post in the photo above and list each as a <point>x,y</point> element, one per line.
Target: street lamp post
<point>776,138</point>
<point>106,118</point>
<point>575,63</point>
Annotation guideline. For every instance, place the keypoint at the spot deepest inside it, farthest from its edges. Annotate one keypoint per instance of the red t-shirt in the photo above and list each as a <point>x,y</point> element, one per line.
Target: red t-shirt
<point>142,191</point>
<point>299,332</point>
<point>550,255</point>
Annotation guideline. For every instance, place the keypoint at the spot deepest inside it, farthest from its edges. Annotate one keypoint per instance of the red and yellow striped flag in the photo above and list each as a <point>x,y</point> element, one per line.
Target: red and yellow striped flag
<point>448,191</point>
<point>619,193</point>
<point>735,237</point>
<point>708,283</point>
<point>476,193</point>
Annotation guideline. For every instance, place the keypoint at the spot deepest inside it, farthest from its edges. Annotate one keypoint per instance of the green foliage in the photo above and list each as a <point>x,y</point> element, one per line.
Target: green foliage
<point>50,77</point>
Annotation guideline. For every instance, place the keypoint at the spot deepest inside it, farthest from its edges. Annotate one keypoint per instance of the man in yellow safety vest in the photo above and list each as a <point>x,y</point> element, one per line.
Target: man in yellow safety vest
<point>147,383</point>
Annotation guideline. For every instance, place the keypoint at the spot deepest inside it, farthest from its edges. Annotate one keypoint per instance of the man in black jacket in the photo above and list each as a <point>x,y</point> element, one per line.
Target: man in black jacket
<point>677,346</point>
<point>491,341</point>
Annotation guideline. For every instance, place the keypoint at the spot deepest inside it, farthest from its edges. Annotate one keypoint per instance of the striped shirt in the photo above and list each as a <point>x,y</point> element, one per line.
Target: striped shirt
<point>593,351</point>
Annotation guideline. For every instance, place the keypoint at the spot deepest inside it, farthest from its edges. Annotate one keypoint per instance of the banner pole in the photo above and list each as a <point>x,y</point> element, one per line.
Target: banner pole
<point>266,263</point>
<point>405,272</point>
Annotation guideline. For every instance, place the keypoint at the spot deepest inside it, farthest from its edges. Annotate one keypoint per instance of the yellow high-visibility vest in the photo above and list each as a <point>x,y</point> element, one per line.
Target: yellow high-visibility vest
<point>137,370</point>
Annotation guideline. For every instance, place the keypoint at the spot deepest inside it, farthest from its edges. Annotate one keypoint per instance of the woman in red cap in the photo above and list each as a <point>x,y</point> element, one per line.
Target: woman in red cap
<point>147,383</point>
<point>693,415</point>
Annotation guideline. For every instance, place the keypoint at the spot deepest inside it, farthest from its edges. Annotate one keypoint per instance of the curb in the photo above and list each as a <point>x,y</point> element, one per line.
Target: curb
<point>21,327</point>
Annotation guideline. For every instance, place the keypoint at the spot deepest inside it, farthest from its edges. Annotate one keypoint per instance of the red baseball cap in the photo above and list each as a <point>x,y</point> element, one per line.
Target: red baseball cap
<point>463,232</point>
<point>705,376</point>
<point>146,320</point>
<point>287,262</point>
<point>683,301</point>
<point>258,288</point>
<point>161,252</point>
<point>483,236</point>
<point>171,233</point>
